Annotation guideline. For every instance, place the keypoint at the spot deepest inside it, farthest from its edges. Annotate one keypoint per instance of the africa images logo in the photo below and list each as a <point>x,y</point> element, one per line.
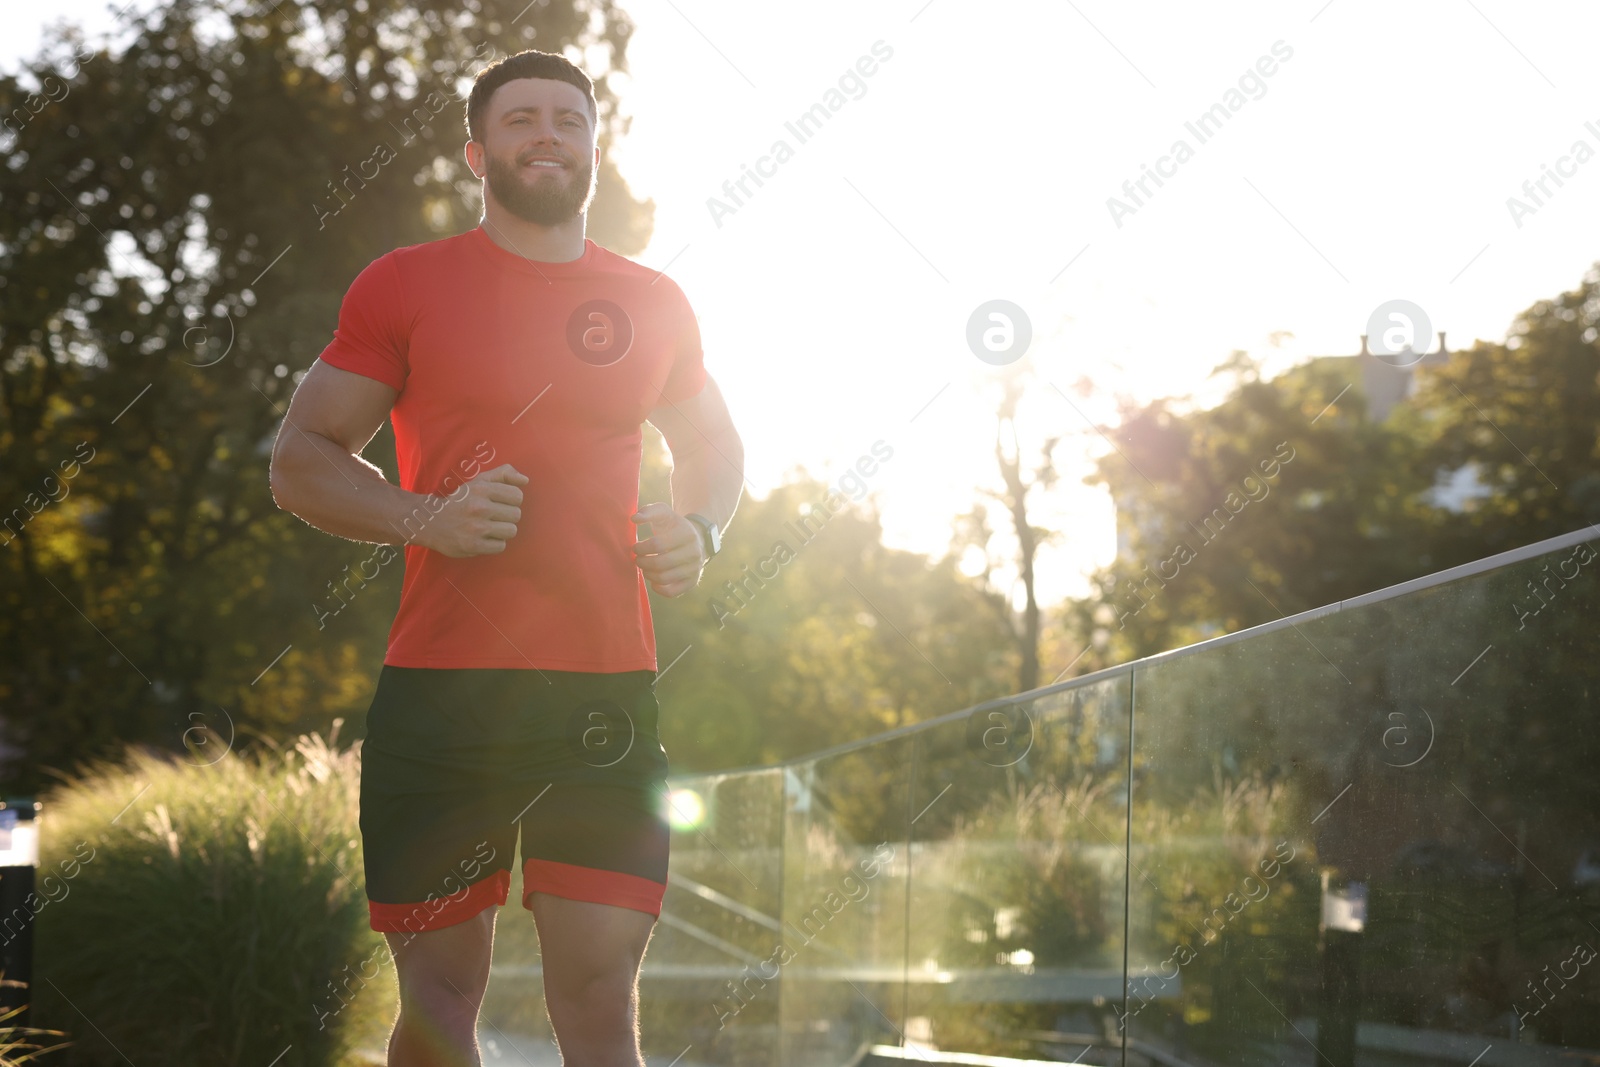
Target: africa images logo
<point>600,732</point>
<point>599,332</point>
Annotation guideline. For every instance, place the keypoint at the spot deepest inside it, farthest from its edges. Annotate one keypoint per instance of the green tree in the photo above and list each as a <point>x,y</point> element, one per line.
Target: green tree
<point>829,638</point>
<point>176,232</point>
<point>1357,507</point>
<point>973,531</point>
<point>1262,506</point>
<point>1524,416</point>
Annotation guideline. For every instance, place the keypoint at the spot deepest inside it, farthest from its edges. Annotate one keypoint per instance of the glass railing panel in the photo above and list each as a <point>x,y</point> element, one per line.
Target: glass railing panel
<point>1374,837</point>
<point>842,955</point>
<point>719,920</point>
<point>719,915</point>
<point>1018,869</point>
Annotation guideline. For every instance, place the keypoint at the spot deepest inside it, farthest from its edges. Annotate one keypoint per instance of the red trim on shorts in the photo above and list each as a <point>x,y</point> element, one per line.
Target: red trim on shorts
<point>591,884</point>
<point>442,911</point>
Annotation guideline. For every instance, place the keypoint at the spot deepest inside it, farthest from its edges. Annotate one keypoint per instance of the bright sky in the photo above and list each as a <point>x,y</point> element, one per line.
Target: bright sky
<point>1373,164</point>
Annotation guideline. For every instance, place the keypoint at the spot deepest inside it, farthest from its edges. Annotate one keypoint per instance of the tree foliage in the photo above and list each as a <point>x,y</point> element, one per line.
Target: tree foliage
<point>850,637</point>
<point>1289,496</point>
<point>179,217</point>
<point>178,223</point>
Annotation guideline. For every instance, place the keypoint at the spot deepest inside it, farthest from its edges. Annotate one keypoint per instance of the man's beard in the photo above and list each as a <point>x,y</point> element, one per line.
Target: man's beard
<point>543,203</point>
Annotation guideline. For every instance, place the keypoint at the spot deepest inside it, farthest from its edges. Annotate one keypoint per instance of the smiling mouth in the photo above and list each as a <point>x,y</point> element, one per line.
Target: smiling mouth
<point>544,164</point>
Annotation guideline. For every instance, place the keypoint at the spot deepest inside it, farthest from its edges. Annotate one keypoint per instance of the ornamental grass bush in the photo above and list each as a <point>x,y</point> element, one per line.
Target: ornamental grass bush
<point>21,1045</point>
<point>200,909</point>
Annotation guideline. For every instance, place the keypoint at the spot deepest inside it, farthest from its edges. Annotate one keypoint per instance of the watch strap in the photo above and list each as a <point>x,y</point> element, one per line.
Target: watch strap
<point>709,530</point>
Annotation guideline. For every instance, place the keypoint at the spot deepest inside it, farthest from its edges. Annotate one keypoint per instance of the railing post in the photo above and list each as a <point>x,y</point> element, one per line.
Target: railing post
<point>1344,917</point>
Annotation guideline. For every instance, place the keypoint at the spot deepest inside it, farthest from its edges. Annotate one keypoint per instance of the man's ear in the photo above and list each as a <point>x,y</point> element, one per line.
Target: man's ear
<point>474,154</point>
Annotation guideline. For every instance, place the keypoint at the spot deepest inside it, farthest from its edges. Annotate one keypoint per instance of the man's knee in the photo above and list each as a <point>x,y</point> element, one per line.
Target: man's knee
<point>595,993</point>
<point>457,982</point>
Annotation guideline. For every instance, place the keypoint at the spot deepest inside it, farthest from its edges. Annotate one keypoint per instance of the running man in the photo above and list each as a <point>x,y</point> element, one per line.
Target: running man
<point>517,362</point>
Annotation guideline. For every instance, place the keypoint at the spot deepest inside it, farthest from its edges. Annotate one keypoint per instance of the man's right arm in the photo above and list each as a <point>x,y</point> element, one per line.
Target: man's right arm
<point>319,475</point>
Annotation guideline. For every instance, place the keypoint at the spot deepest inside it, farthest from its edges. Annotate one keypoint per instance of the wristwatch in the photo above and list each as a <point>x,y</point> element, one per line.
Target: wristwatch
<point>712,539</point>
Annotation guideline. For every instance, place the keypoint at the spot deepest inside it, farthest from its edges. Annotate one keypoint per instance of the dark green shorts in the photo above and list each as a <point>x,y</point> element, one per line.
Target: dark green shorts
<point>457,762</point>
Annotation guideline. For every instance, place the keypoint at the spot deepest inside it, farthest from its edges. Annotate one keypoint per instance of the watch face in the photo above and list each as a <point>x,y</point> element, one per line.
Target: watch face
<point>713,539</point>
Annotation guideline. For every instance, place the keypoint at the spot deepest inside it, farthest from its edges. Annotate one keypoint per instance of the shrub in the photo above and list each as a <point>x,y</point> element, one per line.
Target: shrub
<point>15,1048</point>
<point>203,908</point>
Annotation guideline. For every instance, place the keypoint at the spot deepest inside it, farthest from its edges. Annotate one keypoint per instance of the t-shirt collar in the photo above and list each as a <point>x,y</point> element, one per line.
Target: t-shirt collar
<point>504,257</point>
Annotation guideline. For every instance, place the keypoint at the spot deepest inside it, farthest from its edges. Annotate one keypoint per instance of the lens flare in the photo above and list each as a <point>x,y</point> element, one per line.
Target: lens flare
<point>685,809</point>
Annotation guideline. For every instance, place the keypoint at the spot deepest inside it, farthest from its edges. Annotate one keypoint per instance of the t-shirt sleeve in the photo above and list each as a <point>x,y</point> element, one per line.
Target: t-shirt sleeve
<point>688,374</point>
<point>373,335</point>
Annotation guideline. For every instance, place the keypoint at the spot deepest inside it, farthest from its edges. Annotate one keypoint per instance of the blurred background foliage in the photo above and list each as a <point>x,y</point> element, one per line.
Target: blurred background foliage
<point>170,261</point>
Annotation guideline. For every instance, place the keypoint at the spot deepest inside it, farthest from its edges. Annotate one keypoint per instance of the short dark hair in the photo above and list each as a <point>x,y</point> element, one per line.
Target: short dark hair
<point>530,64</point>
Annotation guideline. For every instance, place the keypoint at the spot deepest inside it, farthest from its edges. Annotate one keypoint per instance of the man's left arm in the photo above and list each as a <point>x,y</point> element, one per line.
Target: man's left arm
<point>707,479</point>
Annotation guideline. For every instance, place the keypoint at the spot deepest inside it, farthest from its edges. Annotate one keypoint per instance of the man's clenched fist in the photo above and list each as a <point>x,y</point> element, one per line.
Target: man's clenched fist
<point>672,557</point>
<point>479,521</point>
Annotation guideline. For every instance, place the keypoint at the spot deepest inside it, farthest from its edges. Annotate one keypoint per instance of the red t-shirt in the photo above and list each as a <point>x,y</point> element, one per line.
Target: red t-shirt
<point>551,367</point>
